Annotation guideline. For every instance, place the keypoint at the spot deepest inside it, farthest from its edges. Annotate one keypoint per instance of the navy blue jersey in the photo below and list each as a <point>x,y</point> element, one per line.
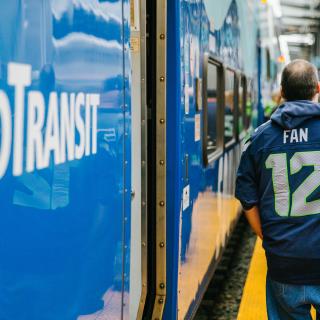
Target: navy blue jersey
<point>280,173</point>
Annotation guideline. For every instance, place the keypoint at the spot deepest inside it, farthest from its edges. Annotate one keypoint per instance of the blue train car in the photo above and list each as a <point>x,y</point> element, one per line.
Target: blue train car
<point>121,125</point>
<point>215,105</point>
<point>65,145</point>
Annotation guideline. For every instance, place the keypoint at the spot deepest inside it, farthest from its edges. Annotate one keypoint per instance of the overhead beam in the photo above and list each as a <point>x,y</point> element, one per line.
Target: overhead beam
<point>290,21</point>
<point>297,29</point>
<point>300,4</point>
<point>289,11</point>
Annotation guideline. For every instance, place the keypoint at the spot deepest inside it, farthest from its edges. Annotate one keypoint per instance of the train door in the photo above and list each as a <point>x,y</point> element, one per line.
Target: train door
<point>64,159</point>
<point>138,258</point>
<point>148,56</point>
<point>156,156</point>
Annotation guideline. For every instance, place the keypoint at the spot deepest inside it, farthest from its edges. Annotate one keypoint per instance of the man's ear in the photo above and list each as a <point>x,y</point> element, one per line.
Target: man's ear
<point>282,94</point>
<point>318,87</point>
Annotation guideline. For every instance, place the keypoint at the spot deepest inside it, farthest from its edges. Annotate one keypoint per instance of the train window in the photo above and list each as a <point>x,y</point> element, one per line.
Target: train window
<point>212,107</point>
<point>242,104</point>
<point>249,104</point>
<point>229,106</point>
<point>212,111</point>
<point>268,64</point>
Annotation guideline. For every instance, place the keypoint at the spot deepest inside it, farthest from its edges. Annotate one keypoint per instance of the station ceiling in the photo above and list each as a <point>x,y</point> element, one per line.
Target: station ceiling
<point>299,23</point>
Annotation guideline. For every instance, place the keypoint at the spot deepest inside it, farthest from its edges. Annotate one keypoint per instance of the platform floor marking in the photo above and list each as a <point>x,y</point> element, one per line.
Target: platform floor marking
<point>253,303</point>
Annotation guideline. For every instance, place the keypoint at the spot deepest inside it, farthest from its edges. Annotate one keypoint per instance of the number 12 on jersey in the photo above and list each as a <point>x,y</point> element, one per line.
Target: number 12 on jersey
<point>277,162</point>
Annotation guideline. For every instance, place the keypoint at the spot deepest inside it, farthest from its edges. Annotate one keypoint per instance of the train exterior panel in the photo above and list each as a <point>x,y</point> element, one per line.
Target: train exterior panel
<point>65,86</point>
<point>121,126</point>
<point>201,209</point>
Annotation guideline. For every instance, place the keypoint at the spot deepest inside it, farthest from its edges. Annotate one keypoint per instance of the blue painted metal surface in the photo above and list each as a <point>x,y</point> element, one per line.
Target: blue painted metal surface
<point>65,83</point>
<point>127,164</point>
<point>64,221</point>
<point>211,188</point>
<point>174,185</point>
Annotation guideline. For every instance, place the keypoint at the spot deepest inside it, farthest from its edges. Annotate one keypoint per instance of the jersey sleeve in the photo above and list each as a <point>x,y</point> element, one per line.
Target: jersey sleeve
<point>246,183</point>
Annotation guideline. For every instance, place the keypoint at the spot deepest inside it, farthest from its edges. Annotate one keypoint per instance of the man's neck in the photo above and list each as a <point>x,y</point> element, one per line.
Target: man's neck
<point>315,98</point>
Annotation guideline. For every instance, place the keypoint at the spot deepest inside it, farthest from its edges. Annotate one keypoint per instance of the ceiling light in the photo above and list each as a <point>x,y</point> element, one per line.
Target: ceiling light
<point>276,7</point>
<point>304,39</point>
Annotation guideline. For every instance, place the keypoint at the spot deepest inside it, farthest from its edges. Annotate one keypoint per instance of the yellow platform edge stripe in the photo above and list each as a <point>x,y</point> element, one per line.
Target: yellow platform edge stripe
<point>253,302</point>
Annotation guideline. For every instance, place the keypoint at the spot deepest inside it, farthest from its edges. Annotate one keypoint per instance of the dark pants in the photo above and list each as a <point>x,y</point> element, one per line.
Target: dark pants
<point>291,302</point>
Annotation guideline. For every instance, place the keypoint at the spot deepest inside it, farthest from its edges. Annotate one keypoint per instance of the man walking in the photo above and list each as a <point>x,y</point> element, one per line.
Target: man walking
<point>278,184</point>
